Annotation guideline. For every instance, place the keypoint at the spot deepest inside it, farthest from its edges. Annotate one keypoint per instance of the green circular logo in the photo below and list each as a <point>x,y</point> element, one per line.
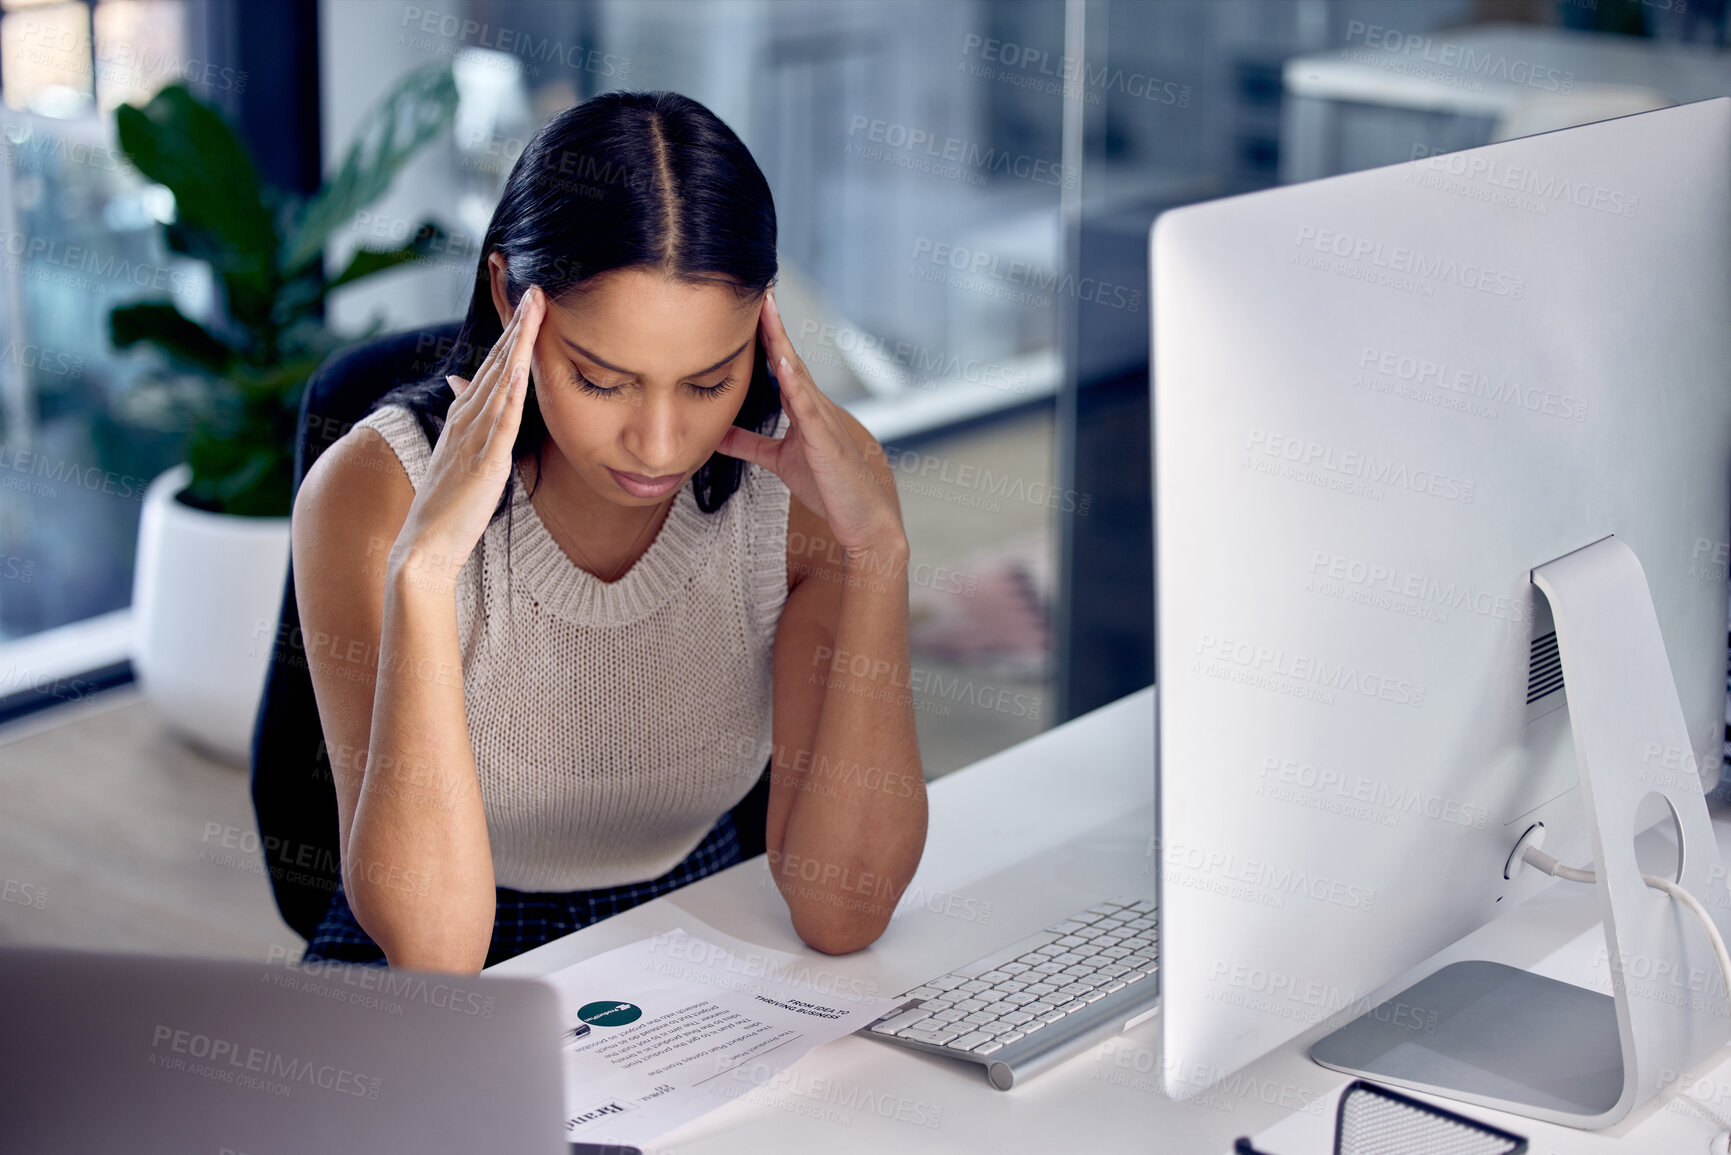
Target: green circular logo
<point>609,1014</point>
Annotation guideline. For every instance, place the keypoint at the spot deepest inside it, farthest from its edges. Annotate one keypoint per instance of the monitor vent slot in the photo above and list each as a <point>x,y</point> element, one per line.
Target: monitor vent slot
<point>1544,668</point>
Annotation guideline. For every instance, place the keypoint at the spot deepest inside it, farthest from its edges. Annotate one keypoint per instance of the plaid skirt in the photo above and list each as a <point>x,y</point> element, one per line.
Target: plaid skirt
<point>525,920</point>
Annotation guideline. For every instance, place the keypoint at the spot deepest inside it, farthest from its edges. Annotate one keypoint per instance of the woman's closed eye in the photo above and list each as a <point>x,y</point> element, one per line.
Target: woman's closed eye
<point>595,390</point>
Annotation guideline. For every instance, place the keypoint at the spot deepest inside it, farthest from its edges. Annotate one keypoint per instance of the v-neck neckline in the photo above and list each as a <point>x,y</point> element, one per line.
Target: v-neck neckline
<point>571,591</point>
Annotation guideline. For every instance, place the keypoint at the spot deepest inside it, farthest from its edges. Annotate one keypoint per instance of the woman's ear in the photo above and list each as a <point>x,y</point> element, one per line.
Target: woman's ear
<point>496,283</point>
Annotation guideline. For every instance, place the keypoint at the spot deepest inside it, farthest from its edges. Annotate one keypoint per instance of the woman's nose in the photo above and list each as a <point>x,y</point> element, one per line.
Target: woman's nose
<point>652,434</point>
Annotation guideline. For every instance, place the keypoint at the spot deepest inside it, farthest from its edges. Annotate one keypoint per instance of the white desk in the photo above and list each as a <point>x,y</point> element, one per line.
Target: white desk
<point>1017,841</point>
<point>1476,72</point>
<point>1036,832</point>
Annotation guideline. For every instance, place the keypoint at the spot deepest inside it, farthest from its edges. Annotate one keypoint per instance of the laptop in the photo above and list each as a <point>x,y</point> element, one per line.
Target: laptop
<point>147,1054</point>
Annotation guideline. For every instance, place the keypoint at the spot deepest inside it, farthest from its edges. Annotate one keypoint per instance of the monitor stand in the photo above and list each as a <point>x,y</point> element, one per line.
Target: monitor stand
<point>1545,1049</point>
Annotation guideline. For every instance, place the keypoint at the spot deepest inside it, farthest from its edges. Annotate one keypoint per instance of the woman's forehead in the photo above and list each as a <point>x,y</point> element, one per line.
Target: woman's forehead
<point>645,322</point>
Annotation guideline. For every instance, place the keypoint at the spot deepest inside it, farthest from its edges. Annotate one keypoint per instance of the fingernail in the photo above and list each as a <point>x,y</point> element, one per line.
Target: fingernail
<point>769,295</point>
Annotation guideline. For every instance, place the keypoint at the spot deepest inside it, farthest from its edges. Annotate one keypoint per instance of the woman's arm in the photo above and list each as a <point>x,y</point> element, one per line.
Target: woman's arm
<point>376,563</point>
<point>847,801</point>
<point>386,670</point>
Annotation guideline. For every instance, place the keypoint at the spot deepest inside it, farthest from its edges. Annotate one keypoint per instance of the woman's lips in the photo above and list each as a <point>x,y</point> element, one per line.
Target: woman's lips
<point>638,485</point>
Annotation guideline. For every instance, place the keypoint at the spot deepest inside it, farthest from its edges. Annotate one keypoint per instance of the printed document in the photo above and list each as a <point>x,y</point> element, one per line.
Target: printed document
<point>667,1028</point>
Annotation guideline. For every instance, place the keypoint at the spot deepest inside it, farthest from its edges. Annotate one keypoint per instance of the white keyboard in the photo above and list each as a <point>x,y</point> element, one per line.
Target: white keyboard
<point>1041,1000</point>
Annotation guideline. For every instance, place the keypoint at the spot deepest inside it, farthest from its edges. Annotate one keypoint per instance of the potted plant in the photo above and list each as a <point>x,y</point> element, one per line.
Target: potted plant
<point>213,538</point>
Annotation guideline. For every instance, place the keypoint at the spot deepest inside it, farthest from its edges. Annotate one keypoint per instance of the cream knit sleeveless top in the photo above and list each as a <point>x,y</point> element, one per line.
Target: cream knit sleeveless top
<point>614,722</point>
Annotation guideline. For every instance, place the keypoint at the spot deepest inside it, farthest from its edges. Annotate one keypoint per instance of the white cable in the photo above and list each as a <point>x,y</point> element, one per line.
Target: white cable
<point>1537,858</point>
<point>1694,904</point>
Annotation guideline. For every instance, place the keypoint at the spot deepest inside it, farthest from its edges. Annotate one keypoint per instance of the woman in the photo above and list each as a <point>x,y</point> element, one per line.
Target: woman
<point>567,582</point>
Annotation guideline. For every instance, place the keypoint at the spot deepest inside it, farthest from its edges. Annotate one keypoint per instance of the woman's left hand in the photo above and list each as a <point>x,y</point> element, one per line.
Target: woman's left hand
<point>818,459</point>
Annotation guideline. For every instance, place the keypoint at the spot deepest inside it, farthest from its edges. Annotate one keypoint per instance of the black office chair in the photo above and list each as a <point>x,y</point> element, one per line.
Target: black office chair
<point>293,793</point>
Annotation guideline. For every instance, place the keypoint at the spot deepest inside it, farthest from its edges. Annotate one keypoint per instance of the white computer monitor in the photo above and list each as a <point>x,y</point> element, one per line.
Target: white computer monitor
<point>1381,401</point>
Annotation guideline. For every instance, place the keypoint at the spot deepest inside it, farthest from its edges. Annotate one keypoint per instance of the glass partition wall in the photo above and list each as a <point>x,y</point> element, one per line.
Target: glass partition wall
<point>964,193</point>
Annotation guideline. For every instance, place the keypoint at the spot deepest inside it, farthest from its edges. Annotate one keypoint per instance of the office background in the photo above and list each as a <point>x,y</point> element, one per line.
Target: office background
<point>964,191</point>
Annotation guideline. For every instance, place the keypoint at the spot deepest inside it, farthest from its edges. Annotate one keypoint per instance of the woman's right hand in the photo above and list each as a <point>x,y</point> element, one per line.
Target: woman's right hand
<point>472,458</point>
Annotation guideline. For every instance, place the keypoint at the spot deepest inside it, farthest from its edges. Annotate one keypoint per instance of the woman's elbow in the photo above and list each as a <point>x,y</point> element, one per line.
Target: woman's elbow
<point>839,935</point>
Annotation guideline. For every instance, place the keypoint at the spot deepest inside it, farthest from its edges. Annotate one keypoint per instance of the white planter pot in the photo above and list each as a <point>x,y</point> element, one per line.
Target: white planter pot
<point>206,594</point>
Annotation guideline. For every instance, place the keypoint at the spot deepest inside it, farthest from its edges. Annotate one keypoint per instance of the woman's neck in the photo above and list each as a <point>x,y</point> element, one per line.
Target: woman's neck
<point>609,537</point>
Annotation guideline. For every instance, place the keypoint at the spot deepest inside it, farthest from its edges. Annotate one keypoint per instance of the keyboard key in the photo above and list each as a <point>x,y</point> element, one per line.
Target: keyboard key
<point>1113,987</point>
<point>1011,1037</point>
<point>1141,962</point>
<point>969,1041</point>
<point>1067,959</point>
<point>1054,1015</point>
<point>947,982</point>
<point>993,977</point>
<point>974,985</point>
<point>970,1005</point>
<point>937,1038</point>
<point>1074,991</point>
<point>1068,1008</point>
<point>895,1023</point>
<point>949,1016</point>
<point>1036,1025</point>
<point>1017,1018</point>
<point>1010,987</point>
<point>1045,988</point>
<point>988,1047</point>
<point>1040,1008</point>
<point>1122,952</point>
<point>979,1017</point>
<point>1086,916</point>
<point>1014,968</point>
<point>1135,976</point>
<point>923,993</point>
<point>1146,905</point>
<point>1068,926</point>
<point>1087,933</point>
<point>1021,998</point>
<point>1141,923</point>
<point>1093,996</point>
<point>1114,970</point>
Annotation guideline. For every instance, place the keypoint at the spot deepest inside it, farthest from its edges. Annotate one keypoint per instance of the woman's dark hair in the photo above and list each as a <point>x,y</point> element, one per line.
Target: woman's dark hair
<point>624,180</point>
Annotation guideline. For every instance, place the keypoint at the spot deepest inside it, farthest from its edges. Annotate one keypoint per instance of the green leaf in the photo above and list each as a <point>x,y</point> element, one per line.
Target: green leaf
<point>242,437</point>
<point>282,380</point>
<point>419,107</point>
<point>185,342</point>
<point>247,477</point>
<point>187,146</point>
<point>366,262</point>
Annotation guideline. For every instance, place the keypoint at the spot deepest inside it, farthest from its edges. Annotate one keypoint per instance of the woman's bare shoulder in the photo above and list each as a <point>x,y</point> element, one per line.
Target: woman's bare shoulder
<point>352,503</point>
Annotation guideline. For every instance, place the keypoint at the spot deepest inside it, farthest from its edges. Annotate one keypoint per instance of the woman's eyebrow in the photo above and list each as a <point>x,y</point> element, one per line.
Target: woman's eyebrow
<point>629,373</point>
